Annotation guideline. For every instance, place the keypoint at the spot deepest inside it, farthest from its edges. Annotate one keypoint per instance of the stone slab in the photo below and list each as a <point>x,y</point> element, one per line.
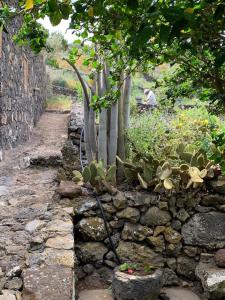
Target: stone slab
<point>96,295</point>
<point>48,283</point>
<point>180,294</point>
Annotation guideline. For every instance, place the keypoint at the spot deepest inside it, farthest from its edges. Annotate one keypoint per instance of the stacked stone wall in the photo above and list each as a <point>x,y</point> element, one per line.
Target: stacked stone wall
<point>22,92</point>
<point>182,233</point>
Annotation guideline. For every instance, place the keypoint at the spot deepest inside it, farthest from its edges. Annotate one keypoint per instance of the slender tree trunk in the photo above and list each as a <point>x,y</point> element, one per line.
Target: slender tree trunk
<point>102,134</point>
<point>91,123</point>
<point>113,134</point>
<point>86,133</point>
<point>121,141</point>
<point>126,101</point>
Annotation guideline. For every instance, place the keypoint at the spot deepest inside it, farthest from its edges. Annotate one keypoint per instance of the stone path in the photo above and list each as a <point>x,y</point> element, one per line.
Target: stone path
<point>36,232</point>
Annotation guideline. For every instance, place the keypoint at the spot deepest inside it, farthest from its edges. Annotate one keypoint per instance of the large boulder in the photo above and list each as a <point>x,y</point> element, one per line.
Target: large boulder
<point>205,230</point>
<point>218,185</point>
<point>154,216</point>
<point>212,279</point>
<point>92,229</point>
<point>136,253</point>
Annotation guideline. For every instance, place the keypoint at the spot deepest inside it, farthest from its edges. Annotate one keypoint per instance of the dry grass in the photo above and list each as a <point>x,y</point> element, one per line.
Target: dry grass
<point>60,103</point>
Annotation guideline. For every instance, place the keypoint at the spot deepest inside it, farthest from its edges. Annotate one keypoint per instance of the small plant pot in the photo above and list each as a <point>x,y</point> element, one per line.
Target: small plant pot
<point>136,287</point>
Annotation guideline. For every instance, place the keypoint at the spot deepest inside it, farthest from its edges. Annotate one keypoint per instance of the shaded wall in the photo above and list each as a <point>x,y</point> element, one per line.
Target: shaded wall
<point>22,90</point>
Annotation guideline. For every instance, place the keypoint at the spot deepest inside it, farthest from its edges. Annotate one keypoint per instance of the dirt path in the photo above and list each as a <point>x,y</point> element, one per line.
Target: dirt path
<point>36,233</point>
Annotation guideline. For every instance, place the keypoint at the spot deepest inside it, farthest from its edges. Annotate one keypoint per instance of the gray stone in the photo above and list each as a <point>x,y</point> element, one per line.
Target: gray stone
<point>136,232</point>
<point>172,236</point>
<point>136,253</point>
<point>212,200</point>
<point>95,295</point>
<point>140,199</point>
<point>154,216</point>
<point>182,215</point>
<point>212,279</point>
<point>218,185</point>
<point>179,294</point>
<point>14,284</point>
<point>120,201</point>
<point>34,225</point>
<point>201,228</point>
<point>90,252</point>
<point>115,239</point>
<point>88,269</point>
<point>69,189</point>
<point>129,214</point>
<point>220,258</point>
<point>157,242</point>
<point>92,229</point>
<point>186,267</point>
<point>65,242</point>
<point>170,278</point>
<point>83,204</point>
<point>131,287</point>
<point>48,283</point>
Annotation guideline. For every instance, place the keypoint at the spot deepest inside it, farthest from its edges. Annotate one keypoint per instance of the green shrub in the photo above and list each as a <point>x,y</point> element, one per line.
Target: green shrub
<point>158,133</point>
<point>60,82</point>
<point>50,61</point>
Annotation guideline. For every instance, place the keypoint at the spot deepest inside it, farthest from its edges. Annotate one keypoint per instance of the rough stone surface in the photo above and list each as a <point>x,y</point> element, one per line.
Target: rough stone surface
<point>206,229</point>
<point>132,252</point>
<point>172,236</point>
<point>95,295</point>
<point>186,267</point>
<point>90,252</point>
<point>30,213</point>
<point>218,185</point>
<point>154,216</point>
<point>131,287</point>
<point>23,89</point>
<point>212,279</point>
<point>179,294</point>
<point>129,214</point>
<point>135,232</point>
<point>69,189</point>
<point>92,229</point>
<point>48,283</point>
<point>220,258</point>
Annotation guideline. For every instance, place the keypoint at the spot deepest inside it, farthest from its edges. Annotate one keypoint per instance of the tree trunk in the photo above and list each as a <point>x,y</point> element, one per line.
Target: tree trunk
<point>126,101</point>
<point>102,133</point>
<point>86,133</point>
<point>113,134</point>
<point>121,141</point>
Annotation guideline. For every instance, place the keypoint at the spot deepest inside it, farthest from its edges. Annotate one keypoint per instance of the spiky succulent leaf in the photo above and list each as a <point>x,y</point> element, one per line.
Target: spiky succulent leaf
<point>93,169</point>
<point>143,183</point>
<point>77,176</point>
<point>158,187</point>
<point>111,174</point>
<point>186,156</point>
<point>147,173</point>
<point>168,184</point>
<point>86,174</point>
<point>184,167</point>
<point>203,173</point>
<point>180,148</point>
<point>100,172</point>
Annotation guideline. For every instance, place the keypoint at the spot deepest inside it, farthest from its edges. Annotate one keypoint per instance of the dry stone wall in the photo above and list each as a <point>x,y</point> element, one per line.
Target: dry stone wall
<point>182,233</point>
<point>22,90</point>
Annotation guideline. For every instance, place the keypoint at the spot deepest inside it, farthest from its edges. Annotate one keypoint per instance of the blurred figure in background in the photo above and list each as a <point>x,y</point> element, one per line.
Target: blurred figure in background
<point>151,98</point>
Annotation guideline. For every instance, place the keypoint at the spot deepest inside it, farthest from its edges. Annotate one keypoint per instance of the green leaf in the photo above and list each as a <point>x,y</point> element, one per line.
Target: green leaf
<point>220,59</point>
<point>164,33</point>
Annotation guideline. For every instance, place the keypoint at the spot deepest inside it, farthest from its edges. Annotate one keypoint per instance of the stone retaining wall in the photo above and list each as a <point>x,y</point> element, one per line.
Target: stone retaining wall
<point>22,90</point>
<point>180,232</point>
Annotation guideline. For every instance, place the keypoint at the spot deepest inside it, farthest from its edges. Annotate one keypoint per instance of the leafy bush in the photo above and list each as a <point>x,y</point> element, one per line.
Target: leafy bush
<point>158,133</point>
<point>50,61</point>
<point>60,82</point>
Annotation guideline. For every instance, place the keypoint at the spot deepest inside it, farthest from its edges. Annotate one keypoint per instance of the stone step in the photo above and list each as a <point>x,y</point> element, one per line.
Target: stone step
<point>48,159</point>
<point>179,294</point>
<point>48,283</point>
<point>96,295</point>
